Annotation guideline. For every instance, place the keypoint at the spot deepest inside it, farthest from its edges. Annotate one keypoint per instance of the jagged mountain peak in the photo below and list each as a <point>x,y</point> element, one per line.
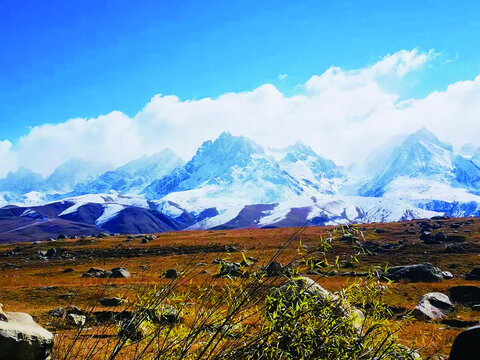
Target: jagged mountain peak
<point>67,175</point>
<point>426,137</point>
<point>132,177</point>
<point>22,172</point>
<point>227,142</point>
<point>22,181</point>
<point>423,156</point>
<point>152,166</point>
<point>238,165</point>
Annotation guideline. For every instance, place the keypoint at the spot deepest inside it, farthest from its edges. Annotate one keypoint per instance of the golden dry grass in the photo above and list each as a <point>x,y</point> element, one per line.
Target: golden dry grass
<point>23,286</point>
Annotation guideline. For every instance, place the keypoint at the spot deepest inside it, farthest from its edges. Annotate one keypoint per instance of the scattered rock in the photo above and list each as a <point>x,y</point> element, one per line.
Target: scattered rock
<point>58,312</point>
<point>427,238</point>
<point>245,263</point>
<point>94,272</point>
<point>112,301</point>
<point>415,273</point>
<point>21,338</point>
<point>170,315</point>
<point>71,309</point>
<point>120,272</point>
<point>230,269</point>
<point>76,320</point>
<point>348,238</point>
<point>440,217</point>
<point>68,270</point>
<point>465,344</point>
<point>133,330</point>
<point>108,316</point>
<point>230,248</point>
<point>447,275</point>
<point>440,236</point>
<point>433,306</point>
<point>456,238</point>
<point>66,295</point>
<point>458,323</point>
<point>465,294</point>
<point>170,274</point>
<point>48,288</point>
<point>274,269</point>
<point>456,248</point>
<point>474,274</point>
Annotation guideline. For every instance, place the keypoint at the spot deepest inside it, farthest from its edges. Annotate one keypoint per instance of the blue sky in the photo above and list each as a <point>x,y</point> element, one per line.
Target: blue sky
<point>66,59</point>
<point>81,79</point>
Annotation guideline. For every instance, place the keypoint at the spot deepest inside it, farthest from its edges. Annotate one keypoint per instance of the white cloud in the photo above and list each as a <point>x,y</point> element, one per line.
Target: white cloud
<point>342,114</point>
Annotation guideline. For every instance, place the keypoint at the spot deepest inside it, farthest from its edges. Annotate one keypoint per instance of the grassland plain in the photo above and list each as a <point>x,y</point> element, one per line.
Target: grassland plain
<point>33,283</point>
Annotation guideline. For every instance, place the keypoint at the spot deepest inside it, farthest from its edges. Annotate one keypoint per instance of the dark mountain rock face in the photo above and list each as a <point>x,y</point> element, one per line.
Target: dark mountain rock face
<point>47,221</point>
<point>137,220</point>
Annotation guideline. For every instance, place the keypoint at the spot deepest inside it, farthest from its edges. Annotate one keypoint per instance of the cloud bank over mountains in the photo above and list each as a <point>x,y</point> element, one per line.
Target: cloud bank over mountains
<point>342,114</point>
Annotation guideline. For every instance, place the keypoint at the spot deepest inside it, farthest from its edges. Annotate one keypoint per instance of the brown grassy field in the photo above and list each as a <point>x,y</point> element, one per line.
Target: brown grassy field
<point>35,286</point>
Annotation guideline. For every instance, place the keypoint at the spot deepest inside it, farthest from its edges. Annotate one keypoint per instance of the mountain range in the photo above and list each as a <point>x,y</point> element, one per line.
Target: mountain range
<point>234,182</point>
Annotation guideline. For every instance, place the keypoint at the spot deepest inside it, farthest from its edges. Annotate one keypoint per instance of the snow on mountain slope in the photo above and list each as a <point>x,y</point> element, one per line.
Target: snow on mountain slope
<point>423,156</point>
<point>312,170</point>
<point>239,168</point>
<point>234,182</point>
<point>133,177</point>
<point>110,211</point>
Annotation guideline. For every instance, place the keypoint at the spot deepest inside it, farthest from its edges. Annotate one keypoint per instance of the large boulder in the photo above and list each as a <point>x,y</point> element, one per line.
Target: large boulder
<point>120,272</point>
<point>465,345</point>
<point>21,338</point>
<point>433,306</point>
<point>111,301</point>
<point>474,274</point>
<point>415,273</point>
<point>465,294</point>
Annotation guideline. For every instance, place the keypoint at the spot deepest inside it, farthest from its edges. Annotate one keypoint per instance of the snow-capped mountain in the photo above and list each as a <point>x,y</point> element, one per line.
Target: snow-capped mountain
<point>67,175</point>
<point>133,177</point>
<point>238,167</point>
<point>420,162</point>
<point>476,158</point>
<point>22,181</point>
<point>234,182</point>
